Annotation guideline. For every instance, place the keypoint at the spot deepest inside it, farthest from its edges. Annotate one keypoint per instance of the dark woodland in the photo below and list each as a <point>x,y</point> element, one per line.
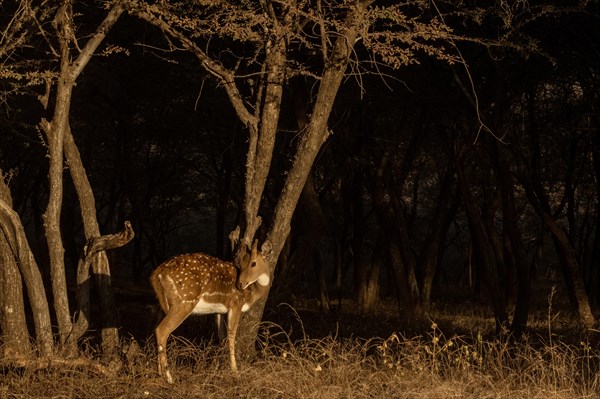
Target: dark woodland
<point>410,162</point>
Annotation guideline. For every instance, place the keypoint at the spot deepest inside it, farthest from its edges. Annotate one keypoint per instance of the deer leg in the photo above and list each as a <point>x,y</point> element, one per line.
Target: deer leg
<point>221,327</point>
<point>176,315</point>
<point>233,321</point>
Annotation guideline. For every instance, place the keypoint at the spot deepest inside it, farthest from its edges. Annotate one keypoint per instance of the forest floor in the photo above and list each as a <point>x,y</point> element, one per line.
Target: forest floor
<point>303,353</point>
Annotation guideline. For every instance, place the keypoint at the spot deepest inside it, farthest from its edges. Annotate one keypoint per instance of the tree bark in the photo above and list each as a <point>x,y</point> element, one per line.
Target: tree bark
<point>12,307</point>
<point>15,235</point>
<point>55,131</point>
<point>310,143</point>
<point>100,266</point>
<point>94,247</point>
<point>407,297</point>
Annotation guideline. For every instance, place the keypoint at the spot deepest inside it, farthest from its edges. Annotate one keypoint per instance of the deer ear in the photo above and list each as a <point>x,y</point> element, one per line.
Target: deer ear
<point>266,248</point>
<point>242,255</point>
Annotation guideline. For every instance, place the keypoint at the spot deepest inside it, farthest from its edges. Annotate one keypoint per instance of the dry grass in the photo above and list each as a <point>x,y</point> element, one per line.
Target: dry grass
<point>429,366</point>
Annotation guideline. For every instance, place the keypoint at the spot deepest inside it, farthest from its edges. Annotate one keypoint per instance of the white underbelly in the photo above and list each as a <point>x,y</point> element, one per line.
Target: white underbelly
<point>203,307</point>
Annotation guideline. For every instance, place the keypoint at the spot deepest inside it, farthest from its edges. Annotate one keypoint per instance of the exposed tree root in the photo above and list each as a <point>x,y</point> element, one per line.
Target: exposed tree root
<point>42,363</point>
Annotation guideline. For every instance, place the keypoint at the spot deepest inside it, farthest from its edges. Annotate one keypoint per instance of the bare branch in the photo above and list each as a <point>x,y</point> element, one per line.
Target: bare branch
<point>92,44</point>
<point>225,76</point>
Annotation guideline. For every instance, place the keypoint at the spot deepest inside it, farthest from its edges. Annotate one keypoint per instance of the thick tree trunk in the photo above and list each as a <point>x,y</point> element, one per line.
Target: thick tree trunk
<point>370,294</point>
<point>14,233</point>
<point>324,303</point>
<point>13,324</point>
<point>309,221</point>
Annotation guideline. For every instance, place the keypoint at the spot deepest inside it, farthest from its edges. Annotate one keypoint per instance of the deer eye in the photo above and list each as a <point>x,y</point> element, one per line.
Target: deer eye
<point>253,264</point>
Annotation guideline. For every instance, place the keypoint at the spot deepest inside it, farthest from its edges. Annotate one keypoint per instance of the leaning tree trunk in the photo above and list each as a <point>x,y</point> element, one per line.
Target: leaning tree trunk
<point>12,307</point>
<point>570,265</point>
<point>100,266</point>
<point>14,233</point>
<point>309,220</point>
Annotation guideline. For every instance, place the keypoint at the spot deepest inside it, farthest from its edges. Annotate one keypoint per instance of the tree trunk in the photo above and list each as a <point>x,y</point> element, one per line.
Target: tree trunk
<point>511,227</point>
<point>324,303</point>
<point>370,297</point>
<point>55,131</point>
<point>310,143</point>
<point>309,221</point>
<point>14,233</point>
<point>94,247</point>
<point>428,257</point>
<point>483,247</point>
<point>568,257</point>
<point>570,265</point>
<point>357,241</point>
<point>12,307</point>
<point>408,299</point>
<point>100,266</point>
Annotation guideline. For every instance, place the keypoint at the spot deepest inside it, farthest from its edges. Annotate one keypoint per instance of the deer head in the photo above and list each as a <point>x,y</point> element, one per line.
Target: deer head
<point>254,267</point>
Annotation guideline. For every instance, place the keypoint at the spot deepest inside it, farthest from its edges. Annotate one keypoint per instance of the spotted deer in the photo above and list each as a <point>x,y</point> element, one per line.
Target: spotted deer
<point>202,284</point>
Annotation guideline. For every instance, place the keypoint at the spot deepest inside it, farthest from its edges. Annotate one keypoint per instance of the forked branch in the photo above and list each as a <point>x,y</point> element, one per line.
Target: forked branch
<point>93,247</point>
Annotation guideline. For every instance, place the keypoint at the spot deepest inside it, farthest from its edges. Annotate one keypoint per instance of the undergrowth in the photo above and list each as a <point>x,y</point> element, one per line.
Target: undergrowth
<point>427,366</point>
